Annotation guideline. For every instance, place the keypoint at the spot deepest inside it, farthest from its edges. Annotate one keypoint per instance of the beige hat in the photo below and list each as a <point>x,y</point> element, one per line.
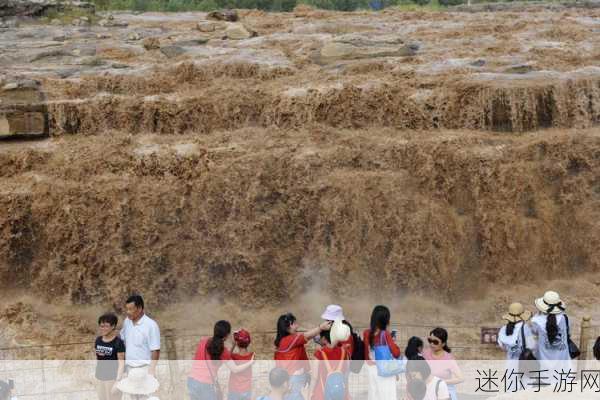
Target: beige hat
<point>516,313</point>
<point>138,381</point>
<point>550,303</point>
<point>339,332</point>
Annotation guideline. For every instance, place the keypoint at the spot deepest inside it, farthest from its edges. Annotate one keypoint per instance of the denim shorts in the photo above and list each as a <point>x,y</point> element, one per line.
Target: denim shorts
<point>239,396</point>
<point>201,391</point>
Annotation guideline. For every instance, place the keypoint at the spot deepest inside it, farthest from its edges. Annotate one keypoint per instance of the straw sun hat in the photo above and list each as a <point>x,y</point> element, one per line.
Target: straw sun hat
<point>138,381</point>
<point>516,313</point>
<point>550,303</point>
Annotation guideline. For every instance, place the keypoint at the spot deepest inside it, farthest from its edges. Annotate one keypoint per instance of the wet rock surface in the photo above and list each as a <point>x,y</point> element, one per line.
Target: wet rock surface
<point>495,71</point>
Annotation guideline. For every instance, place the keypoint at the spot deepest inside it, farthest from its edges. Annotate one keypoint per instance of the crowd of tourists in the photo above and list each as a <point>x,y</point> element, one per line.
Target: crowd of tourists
<point>128,358</point>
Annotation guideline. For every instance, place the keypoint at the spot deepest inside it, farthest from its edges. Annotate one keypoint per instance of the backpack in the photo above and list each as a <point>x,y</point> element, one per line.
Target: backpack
<point>358,354</point>
<point>335,383</point>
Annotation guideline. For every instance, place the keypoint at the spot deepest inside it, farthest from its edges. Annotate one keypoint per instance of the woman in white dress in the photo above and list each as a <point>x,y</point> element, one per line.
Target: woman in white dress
<point>550,326</point>
<point>510,337</point>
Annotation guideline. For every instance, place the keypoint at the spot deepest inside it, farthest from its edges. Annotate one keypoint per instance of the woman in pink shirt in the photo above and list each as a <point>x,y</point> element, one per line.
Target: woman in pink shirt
<point>211,354</point>
<point>441,361</point>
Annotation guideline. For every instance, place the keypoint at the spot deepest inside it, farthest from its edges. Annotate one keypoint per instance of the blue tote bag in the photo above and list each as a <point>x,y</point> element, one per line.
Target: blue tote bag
<point>387,365</point>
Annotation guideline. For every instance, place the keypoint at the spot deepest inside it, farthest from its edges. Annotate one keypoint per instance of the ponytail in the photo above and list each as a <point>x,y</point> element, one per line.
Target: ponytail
<point>216,344</point>
<point>510,328</point>
<point>380,319</point>
<point>551,328</point>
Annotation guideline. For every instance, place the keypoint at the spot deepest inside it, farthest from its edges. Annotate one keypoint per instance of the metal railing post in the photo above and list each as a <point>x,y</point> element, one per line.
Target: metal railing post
<point>584,337</point>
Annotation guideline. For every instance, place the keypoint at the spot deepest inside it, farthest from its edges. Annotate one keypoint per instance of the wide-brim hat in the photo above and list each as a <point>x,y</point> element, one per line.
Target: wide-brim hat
<point>550,303</point>
<point>339,332</point>
<point>138,381</point>
<point>333,312</point>
<point>516,313</point>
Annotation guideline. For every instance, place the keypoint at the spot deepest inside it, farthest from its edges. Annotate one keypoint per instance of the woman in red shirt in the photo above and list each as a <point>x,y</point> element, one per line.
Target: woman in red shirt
<point>290,353</point>
<point>380,388</point>
<point>211,354</point>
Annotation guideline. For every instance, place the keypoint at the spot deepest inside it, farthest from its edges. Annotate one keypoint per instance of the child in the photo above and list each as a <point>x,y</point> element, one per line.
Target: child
<point>332,359</point>
<point>240,384</point>
<point>416,389</point>
<point>110,353</point>
<point>279,379</point>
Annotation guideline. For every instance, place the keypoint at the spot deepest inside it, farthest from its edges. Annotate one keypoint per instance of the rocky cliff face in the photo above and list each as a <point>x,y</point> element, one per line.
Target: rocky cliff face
<point>391,153</point>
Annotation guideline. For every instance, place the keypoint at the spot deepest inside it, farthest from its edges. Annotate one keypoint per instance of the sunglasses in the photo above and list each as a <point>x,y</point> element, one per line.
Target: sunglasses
<point>433,341</point>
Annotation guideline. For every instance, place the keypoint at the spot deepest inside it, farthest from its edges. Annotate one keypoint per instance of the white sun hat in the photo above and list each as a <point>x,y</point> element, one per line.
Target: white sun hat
<point>550,303</point>
<point>339,332</point>
<point>138,381</point>
<point>333,312</point>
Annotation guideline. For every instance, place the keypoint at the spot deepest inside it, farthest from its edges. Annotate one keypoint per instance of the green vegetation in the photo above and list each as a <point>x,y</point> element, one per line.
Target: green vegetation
<point>267,5</point>
<point>67,16</point>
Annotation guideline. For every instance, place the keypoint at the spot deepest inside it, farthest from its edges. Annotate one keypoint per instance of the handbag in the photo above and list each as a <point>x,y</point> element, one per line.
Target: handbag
<point>574,351</point>
<point>527,360</point>
<point>387,365</point>
<point>218,392</point>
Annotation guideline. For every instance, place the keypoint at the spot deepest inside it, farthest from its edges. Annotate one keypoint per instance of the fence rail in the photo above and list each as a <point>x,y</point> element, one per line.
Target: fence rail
<point>39,373</point>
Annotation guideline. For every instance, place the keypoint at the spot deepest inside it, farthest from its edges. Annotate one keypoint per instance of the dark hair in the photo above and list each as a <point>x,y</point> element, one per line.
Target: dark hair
<point>137,300</point>
<point>283,325</point>
<point>551,328</point>
<point>417,389</point>
<point>412,348</point>
<point>418,364</point>
<point>216,344</point>
<point>108,318</point>
<point>278,377</point>
<point>326,334</point>
<point>597,349</point>
<point>441,334</point>
<point>510,328</point>
<point>380,319</point>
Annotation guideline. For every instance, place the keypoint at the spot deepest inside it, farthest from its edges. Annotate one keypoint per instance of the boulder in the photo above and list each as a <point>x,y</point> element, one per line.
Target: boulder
<point>112,23</point>
<point>238,32</point>
<point>17,122</point>
<point>172,51</point>
<point>89,51</point>
<point>151,43</point>
<point>22,111</point>
<point>134,36</point>
<point>357,48</point>
<point>519,69</point>
<point>210,26</point>
<point>224,15</point>
<point>82,21</point>
<point>191,42</point>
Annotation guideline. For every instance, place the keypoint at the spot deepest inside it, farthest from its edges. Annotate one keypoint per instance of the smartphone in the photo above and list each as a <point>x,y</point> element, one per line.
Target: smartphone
<point>394,334</point>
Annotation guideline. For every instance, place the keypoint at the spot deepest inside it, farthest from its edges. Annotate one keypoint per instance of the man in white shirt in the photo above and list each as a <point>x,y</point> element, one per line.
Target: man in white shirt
<point>141,336</point>
<point>437,389</point>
